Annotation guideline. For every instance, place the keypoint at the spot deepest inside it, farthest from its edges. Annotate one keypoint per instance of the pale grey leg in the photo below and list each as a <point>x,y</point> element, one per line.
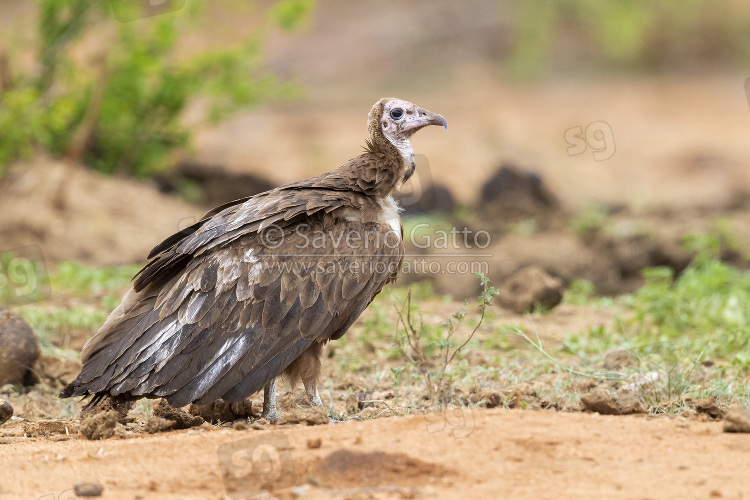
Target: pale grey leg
<point>314,397</point>
<point>269,402</point>
<point>312,394</point>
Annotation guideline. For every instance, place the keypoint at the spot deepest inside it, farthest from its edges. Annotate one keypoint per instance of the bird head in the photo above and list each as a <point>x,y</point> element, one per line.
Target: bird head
<point>392,122</point>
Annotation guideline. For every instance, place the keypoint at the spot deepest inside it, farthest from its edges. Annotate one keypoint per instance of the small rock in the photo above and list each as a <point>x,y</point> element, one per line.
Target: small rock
<point>617,360</point>
<point>737,419</point>
<point>310,416</point>
<point>528,289</point>
<point>6,411</point>
<point>19,350</point>
<point>710,407</point>
<point>88,489</point>
<point>100,426</point>
<point>600,401</point>
<point>182,419</point>
<point>315,443</point>
<point>158,424</point>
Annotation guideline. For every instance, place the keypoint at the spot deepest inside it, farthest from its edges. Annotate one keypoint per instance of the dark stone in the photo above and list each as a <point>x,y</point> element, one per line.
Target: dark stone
<point>19,350</point>
<point>6,411</point>
<point>88,489</point>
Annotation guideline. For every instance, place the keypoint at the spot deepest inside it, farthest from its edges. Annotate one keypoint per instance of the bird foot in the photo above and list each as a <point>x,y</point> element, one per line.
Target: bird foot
<point>272,415</point>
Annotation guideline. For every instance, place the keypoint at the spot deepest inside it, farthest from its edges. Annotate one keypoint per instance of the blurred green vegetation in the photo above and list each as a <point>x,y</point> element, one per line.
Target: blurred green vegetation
<point>120,111</point>
<point>629,34</point>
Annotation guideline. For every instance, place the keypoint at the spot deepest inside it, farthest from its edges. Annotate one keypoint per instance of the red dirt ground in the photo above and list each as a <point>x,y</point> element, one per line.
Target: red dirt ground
<point>480,454</point>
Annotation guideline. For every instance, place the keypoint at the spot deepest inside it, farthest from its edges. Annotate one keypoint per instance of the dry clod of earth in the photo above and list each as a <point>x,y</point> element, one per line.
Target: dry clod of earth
<point>19,350</point>
<point>224,412</point>
<point>310,416</point>
<point>6,411</point>
<point>737,419</point>
<point>100,426</point>
<point>710,407</point>
<point>260,424</point>
<point>158,424</point>
<point>629,403</point>
<point>181,418</point>
<point>88,489</point>
<point>315,443</point>
<point>602,401</point>
<point>49,427</point>
<point>122,408</point>
<point>240,426</point>
<point>488,398</point>
<point>530,288</point>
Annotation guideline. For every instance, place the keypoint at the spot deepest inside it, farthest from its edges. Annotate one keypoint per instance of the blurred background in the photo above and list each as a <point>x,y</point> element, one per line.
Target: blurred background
<point>592,139</point>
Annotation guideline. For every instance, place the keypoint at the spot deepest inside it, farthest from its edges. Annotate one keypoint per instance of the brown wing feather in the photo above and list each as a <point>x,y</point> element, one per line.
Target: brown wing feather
<point>217,314</point>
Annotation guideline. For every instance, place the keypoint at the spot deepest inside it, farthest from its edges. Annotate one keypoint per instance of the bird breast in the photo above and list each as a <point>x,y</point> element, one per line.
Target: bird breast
<point>390,214</point>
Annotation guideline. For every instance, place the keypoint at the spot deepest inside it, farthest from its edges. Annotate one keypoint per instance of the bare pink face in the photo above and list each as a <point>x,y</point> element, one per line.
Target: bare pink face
<point>401,119</point>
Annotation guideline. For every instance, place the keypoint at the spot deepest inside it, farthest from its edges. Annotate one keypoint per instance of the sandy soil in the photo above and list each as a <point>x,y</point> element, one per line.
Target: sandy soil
<point>481,453</point>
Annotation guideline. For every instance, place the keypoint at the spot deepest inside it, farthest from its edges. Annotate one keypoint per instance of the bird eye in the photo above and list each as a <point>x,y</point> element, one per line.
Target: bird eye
<point>397,113</point>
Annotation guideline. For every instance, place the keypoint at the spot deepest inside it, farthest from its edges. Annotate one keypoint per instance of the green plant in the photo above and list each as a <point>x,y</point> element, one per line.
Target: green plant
<point>122,114</point>
<point>590,221</point>
<point>432,349</point>
<point>629,34</point>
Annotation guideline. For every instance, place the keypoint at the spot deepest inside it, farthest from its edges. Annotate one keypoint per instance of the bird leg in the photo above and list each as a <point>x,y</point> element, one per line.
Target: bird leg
<point>269,402</point>
<point>311,389</point>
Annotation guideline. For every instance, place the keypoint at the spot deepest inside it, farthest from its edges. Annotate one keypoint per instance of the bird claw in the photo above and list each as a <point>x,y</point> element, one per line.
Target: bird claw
<point>272,416</point>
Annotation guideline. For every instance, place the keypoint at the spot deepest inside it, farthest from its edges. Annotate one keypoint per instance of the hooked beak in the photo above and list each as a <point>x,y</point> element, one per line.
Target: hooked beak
<point>420,119</point>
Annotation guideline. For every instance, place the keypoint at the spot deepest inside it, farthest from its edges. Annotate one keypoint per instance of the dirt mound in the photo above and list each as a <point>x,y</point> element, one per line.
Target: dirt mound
<point>513,194</point>
<point>347,469</point>
<point>214,185</point>
<point>73,213</point>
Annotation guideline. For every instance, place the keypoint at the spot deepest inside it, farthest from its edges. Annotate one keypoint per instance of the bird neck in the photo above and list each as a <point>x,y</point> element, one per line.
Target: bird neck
<point>396,157</point>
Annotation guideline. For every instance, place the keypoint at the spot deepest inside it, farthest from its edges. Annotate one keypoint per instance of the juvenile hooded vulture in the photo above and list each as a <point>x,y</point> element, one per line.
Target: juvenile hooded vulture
<point>258,286</point>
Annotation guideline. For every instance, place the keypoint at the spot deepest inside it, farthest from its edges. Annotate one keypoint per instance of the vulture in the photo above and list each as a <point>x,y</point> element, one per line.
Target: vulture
<point>256,288</point>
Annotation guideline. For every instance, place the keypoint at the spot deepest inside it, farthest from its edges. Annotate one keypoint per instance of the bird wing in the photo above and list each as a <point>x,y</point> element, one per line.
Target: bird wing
<point>219,312</point>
